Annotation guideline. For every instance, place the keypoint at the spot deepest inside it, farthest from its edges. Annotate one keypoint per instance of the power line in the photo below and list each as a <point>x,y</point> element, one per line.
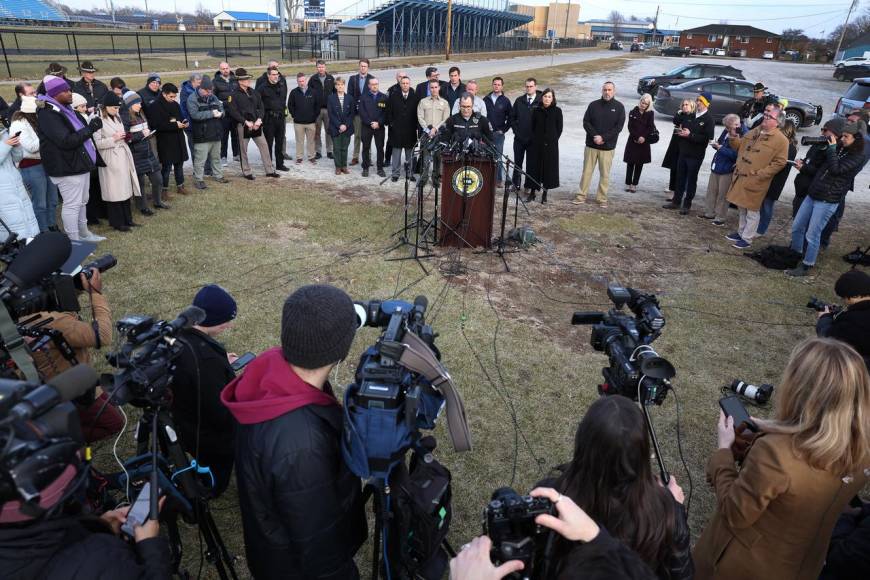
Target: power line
<point>729,20</point>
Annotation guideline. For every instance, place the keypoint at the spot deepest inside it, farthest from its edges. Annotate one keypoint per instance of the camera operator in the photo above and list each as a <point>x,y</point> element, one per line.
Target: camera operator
<point>592,553</point>
<point>205,427</point>
<point>815,157</point>
<point>302,508</point>
<point>852,324</point>
<point>99,419</point>
<point>64,544</point>
<point>775,515</point>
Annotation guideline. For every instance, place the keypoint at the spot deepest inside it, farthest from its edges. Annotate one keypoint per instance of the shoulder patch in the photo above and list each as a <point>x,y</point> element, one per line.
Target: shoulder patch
<point>230,99</point>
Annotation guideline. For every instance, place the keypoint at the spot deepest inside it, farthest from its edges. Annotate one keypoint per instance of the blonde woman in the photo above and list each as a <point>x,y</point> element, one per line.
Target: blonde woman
<point>687,109</point>
<point>641,124</point>
<point>775,515</point>
<point>118,179</point>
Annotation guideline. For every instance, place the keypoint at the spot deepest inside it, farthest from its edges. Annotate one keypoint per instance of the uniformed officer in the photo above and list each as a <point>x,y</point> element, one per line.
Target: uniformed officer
<point>467,124</point>
<point>752,111</point>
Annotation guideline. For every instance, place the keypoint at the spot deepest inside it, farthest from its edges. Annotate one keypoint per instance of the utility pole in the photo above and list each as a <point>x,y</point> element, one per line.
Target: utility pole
<point>449,28</point>
<point>845,24</point>
<point>656,26</point>
<point>567,17</point>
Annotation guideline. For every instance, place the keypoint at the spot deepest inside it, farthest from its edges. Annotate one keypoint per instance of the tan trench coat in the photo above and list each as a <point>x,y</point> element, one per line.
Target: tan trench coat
<point>118,179</point>
<point>773,518</point>
<point>760,156</point>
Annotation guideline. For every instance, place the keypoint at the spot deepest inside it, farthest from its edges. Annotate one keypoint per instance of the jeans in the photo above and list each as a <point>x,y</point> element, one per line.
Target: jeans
<point>766,215</point>
<point>833,223</point>
<point>167,168</point>
<point>687,180</point>
<point>811,219</point>
<point>43,195</point>
<point>498,143</point>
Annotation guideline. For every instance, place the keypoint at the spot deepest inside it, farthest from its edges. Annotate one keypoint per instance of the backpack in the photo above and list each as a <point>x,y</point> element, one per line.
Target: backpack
<point>776,257</point>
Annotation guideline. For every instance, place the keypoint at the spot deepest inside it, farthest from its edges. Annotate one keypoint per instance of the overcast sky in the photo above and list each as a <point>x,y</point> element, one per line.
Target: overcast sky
<point>815,17</point>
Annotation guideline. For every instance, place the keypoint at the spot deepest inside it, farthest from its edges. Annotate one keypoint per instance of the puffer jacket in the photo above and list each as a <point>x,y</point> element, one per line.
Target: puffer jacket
<point>140,147</point>
<point>29,138</point>
<point>15,207</point>
<point>833,179</point>
<point>726,156</point>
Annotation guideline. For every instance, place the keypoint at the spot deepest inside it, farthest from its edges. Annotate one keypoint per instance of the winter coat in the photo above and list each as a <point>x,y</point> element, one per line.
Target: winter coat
<point>774,517</point>
<point>673,151</point>
<point>849,553</point>
<point>140,145</point>
<point>402,119</point>
<point>639,125</point>
<point>543,164</point>
<point>29,138</point>
<point>304,106</point>
<point>325,88</point>
<point>760,156</point>
<point>373,108</point>
<point>778,181</point>
<point>92,92</point>
<point>148,97</point>
<point>752,108</point>
<point>118,179</point>
<point>224,88</point>
<point>245,105</point>
<point>815,158</point>
<point>61,147</point>
<point>521,117</point>
<point>851,325</point>
<point>451,95</point>
<point>15,207</point>
<point>79,548</point>
<point>302,511</point>
<point>171,143</point>
<point>422,89</point>
<point>834,178</point>
<point>725,157</point>
<point>204,126</point>
<point>264,78</point>
<point>183,95</point>
<point>274,98</point>
<point>201,373</point>
<point>341,115</point>
<point>498,113</point>
<point>605,118</point>
<point>604,558</point>
<point>701,131</point>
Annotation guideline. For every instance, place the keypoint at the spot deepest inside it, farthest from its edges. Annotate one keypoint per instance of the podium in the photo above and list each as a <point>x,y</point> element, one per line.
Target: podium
<point>467,201</point>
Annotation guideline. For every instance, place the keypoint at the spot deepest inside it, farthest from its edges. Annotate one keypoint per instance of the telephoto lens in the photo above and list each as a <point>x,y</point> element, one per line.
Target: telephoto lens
<point>813,140</point>
<point>760,394</point>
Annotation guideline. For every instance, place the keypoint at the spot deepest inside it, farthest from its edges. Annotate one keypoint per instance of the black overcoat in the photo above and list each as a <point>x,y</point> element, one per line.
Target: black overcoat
<point>171,144</point>
<point>639,125</point>
<point>402,119</point>
<point>543,163</point>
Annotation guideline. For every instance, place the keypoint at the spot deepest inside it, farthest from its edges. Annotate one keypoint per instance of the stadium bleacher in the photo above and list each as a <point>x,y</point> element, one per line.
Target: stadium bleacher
<point>31,10</point>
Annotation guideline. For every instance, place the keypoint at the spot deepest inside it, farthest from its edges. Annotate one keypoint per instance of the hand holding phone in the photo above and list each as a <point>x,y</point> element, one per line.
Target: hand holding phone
<point>732,407</point>
<point>138,514</point>
<point>242,361</point>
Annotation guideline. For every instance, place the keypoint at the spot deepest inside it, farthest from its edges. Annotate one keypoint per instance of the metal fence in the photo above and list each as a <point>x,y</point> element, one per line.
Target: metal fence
<point>26,52</point>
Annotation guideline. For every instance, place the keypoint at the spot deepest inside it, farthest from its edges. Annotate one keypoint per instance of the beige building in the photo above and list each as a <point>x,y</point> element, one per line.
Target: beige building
<point>554,16</point>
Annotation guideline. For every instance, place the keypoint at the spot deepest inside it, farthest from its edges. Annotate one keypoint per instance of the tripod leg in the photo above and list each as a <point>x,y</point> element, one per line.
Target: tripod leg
<point>216,551</point>
<point>175,547</point>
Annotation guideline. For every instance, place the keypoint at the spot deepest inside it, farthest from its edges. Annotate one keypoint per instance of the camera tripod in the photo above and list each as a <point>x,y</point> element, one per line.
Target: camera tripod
<point>161,458</point>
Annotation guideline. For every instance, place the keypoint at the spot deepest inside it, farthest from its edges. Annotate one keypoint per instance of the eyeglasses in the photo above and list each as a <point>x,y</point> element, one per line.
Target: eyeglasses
<point>466,107</point>
<point>768,116</point>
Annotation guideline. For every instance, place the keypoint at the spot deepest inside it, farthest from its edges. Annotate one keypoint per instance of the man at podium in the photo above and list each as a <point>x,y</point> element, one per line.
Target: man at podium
<point>466,124</point>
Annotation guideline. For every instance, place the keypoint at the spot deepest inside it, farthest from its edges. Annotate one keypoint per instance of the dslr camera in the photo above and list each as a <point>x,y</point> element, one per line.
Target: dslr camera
<point>819,140</point>
<point>509,521</point>
<point>820,306</point>
<point>759,394</point>
<point>636,370</point>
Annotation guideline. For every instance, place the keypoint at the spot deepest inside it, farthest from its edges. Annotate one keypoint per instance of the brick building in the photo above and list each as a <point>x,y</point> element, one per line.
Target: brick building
<point>745,40</point>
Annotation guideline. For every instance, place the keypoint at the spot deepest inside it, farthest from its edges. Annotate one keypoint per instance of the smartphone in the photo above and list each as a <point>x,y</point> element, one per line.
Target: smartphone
<point>243,361</point>
<point>139,512</point>
<point>17,133</point>
<point>791,162</point>
<point>734,408</point>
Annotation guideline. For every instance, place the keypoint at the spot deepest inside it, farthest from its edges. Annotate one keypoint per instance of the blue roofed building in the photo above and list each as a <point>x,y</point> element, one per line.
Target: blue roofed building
<point>246,21</point>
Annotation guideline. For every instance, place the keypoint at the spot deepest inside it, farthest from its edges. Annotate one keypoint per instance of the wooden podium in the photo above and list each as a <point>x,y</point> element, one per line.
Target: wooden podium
<point>467,201</point>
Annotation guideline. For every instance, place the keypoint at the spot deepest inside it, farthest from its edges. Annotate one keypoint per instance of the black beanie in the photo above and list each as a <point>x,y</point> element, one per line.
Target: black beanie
<point>852,284</point>
<point>317,326</point>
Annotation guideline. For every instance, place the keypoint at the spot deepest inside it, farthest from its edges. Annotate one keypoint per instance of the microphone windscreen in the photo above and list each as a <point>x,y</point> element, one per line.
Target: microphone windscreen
<point>75,382</point>
<point>421,301</point>
<point>46,253</point>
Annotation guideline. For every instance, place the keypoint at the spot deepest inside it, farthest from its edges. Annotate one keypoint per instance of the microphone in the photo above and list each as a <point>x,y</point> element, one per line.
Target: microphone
<point>188,317</point>
<point>66,386</point>
<point>46,253</point>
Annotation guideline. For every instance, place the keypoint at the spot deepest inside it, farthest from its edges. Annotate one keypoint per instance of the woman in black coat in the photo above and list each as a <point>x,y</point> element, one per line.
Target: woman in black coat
<point>641,124</point>
<point>164,116</point>
<point>543,164</point>
<point>687,109</point>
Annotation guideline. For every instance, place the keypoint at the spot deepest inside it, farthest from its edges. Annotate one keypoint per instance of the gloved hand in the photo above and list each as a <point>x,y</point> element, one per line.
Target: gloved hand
<point>95,125</point>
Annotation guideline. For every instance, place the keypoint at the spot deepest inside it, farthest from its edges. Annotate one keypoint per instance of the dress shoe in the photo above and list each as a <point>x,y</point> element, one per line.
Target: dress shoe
<point>354,161</point>
<point>249,177</point>
<point>531,197</point>
<point>180,190</point>
<point>313,161</point>
<point>273,174</point>
<point>121,228</point>
<point>381,173</point>
<point>365,173</point>
<point>146,211</point>
<point>222,180</point>
<point>318,156</point>
<point>394,179</point>
<point>345,170</point>
<point>282,168</point>
<point>161,205</point>
<point>298,162</point>
<point>671,205</point>
<point>329,156</point>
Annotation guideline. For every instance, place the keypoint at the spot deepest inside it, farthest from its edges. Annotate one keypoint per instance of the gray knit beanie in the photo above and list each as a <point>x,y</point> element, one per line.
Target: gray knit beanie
<point>317,326</point>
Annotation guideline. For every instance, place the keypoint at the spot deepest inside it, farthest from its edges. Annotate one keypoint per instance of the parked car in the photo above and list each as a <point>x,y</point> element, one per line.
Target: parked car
<point>707,51</point>
<point>635,47</point>
<point>674,51</point>
<point>650,84</point>
<point>853,61</point>
<point>615,46</point>
<point>719,52</point>
<point>856,96</point>
<point>768,54</point>
<point>851,72</point>
<point>729,94</point>
<point>737,53</point>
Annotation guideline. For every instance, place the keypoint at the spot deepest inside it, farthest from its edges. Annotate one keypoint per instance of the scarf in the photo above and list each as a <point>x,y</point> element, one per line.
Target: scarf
<point>76,122</point>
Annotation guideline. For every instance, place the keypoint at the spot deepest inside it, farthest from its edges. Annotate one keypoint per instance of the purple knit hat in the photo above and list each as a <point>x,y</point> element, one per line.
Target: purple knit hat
<point>54,85</point>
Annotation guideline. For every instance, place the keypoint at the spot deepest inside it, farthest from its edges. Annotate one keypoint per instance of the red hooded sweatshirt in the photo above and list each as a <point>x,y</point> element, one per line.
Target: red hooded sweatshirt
<point>269,388</point>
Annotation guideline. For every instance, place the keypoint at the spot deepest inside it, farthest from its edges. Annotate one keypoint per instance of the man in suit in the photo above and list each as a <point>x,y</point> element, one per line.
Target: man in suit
<point>373,117</point>
<point>521,123</point>
<point>357,85</point>
<point>423,88</point>
<point>388,152</point>
<point>402,119</point>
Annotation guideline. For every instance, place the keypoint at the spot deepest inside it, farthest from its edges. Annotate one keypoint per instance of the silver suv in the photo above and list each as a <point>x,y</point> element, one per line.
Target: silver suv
<point>857,97</point>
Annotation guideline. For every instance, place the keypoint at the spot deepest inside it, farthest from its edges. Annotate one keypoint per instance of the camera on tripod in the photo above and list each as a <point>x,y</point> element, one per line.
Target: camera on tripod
<point>813,140</point>
<point>820,306</point>
<point>509,521</point>
<point>636,370</point>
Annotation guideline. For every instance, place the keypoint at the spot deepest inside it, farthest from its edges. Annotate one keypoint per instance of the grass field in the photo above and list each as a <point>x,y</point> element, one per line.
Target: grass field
<point>525,373</point>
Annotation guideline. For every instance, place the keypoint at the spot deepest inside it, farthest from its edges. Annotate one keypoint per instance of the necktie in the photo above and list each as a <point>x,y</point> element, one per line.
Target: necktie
<point>530,101</point>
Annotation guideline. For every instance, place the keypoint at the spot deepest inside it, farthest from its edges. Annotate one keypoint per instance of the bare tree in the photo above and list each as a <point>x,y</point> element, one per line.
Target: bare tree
<point>616,19</point>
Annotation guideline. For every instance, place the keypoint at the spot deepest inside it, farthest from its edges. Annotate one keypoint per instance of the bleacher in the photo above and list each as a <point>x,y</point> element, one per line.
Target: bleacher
<point>31,10</point>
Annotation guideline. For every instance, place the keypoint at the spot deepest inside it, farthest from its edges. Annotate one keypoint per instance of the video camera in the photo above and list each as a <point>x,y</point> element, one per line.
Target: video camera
<point>145,358</point>
<point>636,370</point>
<point>509,521</point>
<point>40,435</point>
<point>820,306</point>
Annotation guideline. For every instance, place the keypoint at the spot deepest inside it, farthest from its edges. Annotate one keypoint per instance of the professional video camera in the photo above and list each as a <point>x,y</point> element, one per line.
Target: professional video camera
<point>40,435</point>
<point>145,358</point>
<point>820,306</point>
<point>509,521</point>
<point>759,394</point>
<point>636,370</point>
<point>820,140</point>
